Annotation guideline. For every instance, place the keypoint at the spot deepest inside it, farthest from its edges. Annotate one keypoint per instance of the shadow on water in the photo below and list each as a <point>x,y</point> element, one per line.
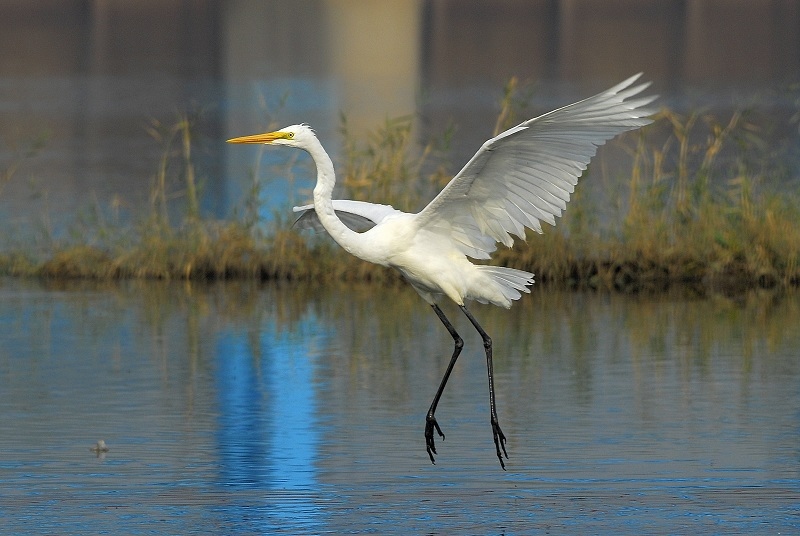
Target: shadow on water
<point>245,409</point>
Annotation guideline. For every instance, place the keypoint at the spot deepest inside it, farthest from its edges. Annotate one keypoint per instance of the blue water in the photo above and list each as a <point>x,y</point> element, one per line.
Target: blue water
<point>249,409</point>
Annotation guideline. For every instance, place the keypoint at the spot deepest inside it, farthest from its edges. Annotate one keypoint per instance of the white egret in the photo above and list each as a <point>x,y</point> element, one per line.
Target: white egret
<point>516,180</point>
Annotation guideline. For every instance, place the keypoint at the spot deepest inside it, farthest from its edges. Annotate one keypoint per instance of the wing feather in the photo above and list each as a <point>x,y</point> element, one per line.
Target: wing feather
<point>357,215</point>
<point>526,174</point>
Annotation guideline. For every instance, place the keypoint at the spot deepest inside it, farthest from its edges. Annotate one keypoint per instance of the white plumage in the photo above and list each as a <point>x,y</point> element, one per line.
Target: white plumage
<point>515,181</point>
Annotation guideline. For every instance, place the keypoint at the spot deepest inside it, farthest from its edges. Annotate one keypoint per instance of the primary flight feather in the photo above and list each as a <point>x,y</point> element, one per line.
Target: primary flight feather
<point>515,181</point>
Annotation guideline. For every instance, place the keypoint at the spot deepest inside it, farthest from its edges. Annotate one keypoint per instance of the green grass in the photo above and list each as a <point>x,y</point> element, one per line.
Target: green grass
<point>703,201</point>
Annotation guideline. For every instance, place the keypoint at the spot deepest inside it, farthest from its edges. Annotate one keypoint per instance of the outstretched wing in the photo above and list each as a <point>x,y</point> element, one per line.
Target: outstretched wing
<point>526,174</point>
<point>357,215</point>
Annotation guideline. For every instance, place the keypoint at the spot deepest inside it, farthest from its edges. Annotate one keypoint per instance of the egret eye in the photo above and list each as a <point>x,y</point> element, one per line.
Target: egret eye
<point>290,135</point>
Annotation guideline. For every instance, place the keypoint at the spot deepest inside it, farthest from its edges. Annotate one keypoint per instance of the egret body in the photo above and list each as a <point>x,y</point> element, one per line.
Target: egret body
<point>515,181</point>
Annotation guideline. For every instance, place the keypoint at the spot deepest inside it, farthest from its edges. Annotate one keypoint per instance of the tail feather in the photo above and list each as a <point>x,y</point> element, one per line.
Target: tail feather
<point>510,280</point>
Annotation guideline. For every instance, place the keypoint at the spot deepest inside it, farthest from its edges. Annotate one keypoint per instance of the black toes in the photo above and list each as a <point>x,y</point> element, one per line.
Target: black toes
<point>499,443</point>
<point>430,446</point>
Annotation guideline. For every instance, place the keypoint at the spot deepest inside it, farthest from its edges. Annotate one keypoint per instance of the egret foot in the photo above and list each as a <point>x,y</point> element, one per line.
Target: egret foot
<point>499,442</point>
<point>430,424</point>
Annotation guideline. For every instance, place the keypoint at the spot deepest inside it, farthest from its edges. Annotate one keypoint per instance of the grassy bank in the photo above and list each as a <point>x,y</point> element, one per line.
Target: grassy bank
<point>703,201</point>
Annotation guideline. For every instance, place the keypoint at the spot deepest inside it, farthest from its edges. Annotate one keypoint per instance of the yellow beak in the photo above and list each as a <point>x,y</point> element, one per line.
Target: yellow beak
<point>267,137</point>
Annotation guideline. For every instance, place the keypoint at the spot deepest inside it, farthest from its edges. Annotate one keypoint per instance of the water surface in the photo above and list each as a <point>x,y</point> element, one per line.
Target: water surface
<point>256,409</point>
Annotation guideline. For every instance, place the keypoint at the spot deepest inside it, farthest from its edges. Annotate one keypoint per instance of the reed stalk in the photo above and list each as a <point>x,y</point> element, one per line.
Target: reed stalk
<point>703,203</point>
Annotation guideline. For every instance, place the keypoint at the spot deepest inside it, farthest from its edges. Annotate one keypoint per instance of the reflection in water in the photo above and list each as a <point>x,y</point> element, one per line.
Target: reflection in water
<point>243,431</point>
<point>243,409</point>
<point>268,431</point>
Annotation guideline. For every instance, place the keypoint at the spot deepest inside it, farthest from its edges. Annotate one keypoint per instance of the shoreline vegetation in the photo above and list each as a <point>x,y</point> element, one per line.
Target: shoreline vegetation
<point>702,201</point>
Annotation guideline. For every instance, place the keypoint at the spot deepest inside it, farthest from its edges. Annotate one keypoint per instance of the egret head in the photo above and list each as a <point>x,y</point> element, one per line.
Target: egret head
<point>293,136</point>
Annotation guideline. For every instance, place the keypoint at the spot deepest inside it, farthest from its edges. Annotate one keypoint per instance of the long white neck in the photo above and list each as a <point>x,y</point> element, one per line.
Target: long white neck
<point>350,240</point>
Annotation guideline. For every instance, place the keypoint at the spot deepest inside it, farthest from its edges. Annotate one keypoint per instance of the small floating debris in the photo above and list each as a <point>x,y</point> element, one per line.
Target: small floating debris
<point>99,447</point>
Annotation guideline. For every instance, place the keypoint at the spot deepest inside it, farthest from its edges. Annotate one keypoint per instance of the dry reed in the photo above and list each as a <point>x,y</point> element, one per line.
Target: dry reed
<point>703,203</point>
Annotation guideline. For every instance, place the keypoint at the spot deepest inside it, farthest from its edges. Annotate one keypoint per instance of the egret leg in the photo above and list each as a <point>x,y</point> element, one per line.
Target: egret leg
<point>430,420</point>
<point>499,437</point>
